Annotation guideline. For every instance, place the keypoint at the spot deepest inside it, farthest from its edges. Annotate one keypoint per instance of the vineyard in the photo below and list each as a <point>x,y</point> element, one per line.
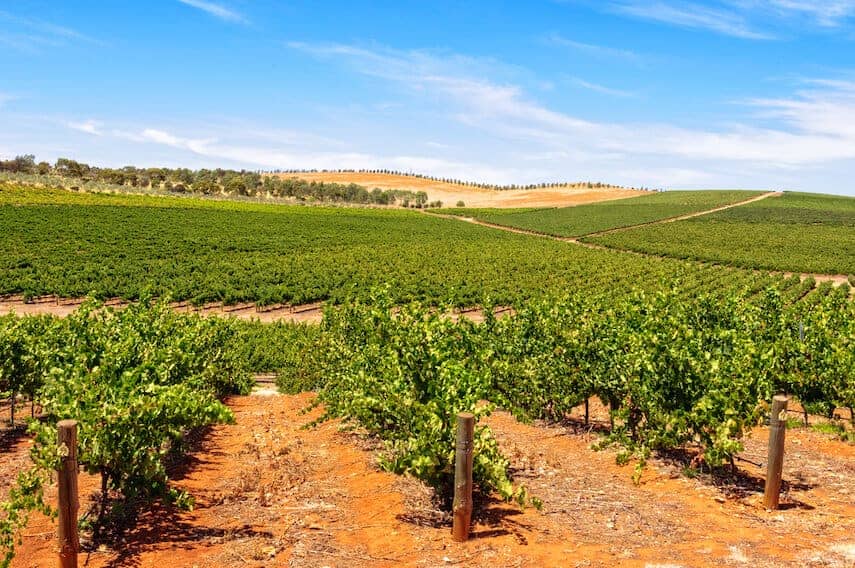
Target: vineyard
<point>73,245</point>
<point>675,360</point>
<point>136,381</point>
<point>795,232</point>
<point>676,373</point>
<point>596,217</point>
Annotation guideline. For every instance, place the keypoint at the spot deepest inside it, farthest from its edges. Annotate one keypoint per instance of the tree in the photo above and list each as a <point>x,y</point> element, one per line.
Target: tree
<point>70,168</point>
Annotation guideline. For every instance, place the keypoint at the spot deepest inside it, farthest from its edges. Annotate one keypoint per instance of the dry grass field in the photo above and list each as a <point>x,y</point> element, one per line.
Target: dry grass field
<point>451,193</point>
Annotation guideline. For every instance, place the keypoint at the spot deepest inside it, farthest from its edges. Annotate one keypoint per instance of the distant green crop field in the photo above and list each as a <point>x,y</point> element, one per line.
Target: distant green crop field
<point>70,244</point>
<point>796,232</point>
<point>595,217</point>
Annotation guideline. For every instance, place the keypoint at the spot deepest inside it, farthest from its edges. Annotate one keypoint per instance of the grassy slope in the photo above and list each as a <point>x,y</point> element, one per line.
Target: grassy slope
<point>796,232</point>
<point>585,219</point>
<point>74,244</point>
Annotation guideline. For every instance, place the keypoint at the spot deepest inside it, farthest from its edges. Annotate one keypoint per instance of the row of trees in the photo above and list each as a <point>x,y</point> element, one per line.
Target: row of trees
<point>542,185</point>
<point>254,183</point>
<point>215,182</point>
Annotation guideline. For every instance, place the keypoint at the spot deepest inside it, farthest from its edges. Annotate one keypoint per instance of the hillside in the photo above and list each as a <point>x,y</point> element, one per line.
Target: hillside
<point>594,217</point>
<point>796,232</point>
<point>451,193</point>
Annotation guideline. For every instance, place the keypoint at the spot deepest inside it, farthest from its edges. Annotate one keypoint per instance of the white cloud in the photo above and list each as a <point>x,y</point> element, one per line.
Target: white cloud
<point>600,88</point>
<point>28,34</point>
<point>88,126</point>
<point>215,10</point>
<point>262,155</point>
<point>693,16</point>
<point>591,49</point>
<point>499,132</point>
<point>199,146</point>
<point>746,19</point>
<point>438,145</point>
<point>818,125</point>
<point>829,13</point>
<point>6,98</point>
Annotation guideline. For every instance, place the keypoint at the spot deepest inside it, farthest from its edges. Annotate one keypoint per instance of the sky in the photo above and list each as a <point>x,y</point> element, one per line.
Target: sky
<point>662,94</point>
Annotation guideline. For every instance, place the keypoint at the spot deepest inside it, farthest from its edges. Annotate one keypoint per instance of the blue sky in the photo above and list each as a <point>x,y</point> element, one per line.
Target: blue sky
<point>727,93</point>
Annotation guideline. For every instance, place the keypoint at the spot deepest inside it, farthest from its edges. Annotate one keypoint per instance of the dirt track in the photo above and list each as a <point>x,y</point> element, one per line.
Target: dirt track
<point>836,279</point>
<point>269,493</point>
<point>690,215</point>
<point>313,313</point>
<point>306,313</point>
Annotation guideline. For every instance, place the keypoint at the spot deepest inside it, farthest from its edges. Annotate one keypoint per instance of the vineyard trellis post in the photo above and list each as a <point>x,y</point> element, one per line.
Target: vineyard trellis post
<point>775,461</point>
<point>69,542</point>
<point>462,506</point>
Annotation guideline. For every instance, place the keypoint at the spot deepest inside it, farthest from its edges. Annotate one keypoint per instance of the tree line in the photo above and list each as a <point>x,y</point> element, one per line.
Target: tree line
<point>215,182</point>
<point>466,183</point>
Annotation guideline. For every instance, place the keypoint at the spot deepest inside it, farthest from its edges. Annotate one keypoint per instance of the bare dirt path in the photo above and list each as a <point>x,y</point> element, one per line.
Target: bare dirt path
<point>305,313</point>
<point>836,279</point>
<point>270,493</point>
<point>689,215</point>
<point>313,313</point>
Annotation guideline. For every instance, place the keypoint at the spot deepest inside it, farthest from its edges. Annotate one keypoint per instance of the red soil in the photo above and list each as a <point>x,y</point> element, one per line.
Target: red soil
<point>269,493</point>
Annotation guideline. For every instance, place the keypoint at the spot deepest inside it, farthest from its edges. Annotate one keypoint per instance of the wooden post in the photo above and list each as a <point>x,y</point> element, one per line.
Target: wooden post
<point>462,507</point>
<point>775,462</point>
<point>69,543</point>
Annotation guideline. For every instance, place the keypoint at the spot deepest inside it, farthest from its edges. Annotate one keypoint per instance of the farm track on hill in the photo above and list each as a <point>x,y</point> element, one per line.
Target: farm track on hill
<point>689,215</point>
<point>836,279</point>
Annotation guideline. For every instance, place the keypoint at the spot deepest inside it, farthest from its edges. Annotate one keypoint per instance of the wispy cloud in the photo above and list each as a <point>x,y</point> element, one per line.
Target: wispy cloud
<point>746,19</point>
<point>500,132</point>
<point>600,88</point>
<point>816,126</point>
<point>438,145</point>
<point>92,127</point>
<point>590,48</point>
<point>5,98</point>
<point>216,10</point>
<point>830,13</point>
<point>30,34</point>
<point>264,155</point>
<point>693,16</point>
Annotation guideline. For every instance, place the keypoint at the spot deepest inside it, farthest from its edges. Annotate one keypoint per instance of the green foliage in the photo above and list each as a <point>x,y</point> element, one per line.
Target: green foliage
<point>287,349</point>
<point>837,430</point>
<point>672,371</point>
<point>795,232</point>
<point>675,371</point>
<point>404,377</point>
<point>22,346</point>
<point>191,249</point>
<point>595,217</point>
<point>25,497</point>
<point>135,380</point>
<point>74,175</point>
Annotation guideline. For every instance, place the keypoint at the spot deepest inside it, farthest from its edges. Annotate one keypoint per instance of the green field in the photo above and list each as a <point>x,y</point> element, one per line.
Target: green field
<point>596,217</point>
<point>73,244</point>
<point>796,232</point>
